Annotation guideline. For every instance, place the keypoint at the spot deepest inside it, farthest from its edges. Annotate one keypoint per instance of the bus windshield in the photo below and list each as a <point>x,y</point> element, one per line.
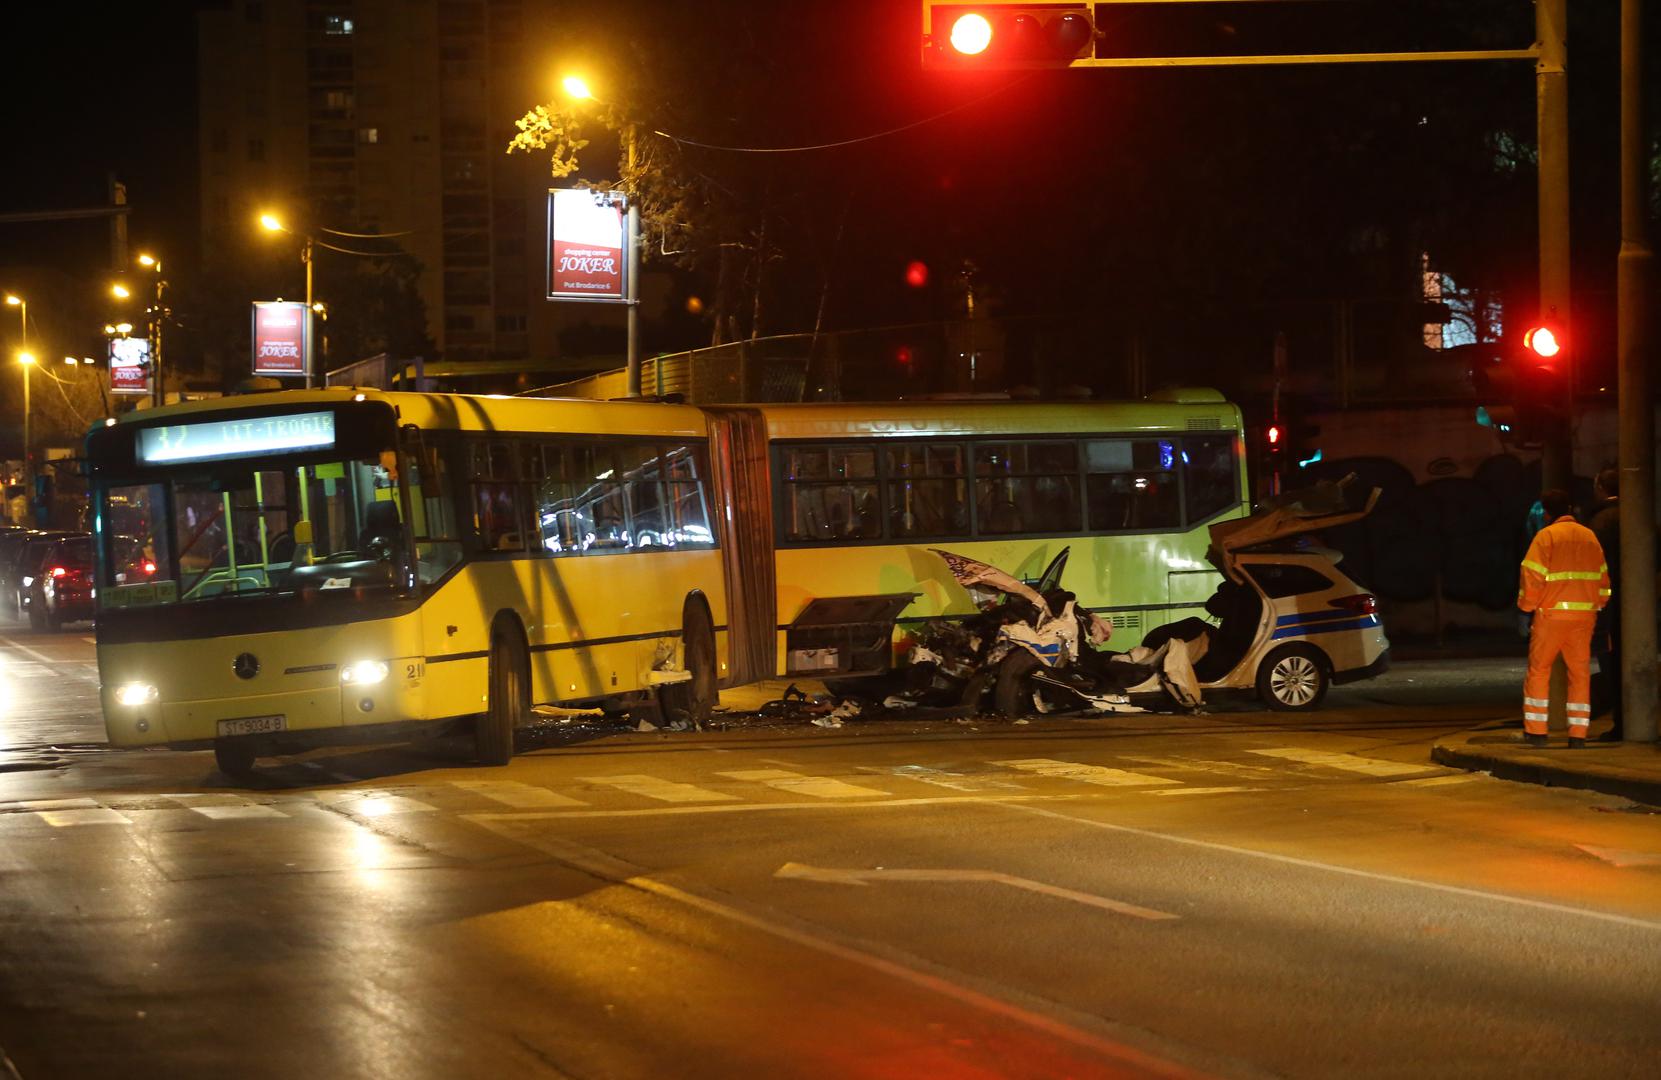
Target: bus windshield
<point>246,528</point>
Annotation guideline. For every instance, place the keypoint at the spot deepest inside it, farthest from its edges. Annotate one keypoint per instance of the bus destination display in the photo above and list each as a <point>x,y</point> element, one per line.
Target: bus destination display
<point>218,439</point>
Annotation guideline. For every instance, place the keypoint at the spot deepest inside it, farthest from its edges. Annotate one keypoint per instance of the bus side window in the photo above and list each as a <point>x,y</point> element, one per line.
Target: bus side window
<point>496,498</point>
<point>437,535</point>
<point>1027,487</point>
<point>684,497</point>
<point>559,524</point>
<point>830,493</point>
<point>642,474</point>
<point>1209,481</point>
<point>1132,484</point>
<point>600,498</point>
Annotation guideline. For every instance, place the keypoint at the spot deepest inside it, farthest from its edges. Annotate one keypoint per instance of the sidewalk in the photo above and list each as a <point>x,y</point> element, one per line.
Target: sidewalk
<point>1631,770</point>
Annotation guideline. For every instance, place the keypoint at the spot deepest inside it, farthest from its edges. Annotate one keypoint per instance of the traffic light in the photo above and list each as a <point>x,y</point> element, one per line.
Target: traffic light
<point>1522,389</point>
<point>989,36</point>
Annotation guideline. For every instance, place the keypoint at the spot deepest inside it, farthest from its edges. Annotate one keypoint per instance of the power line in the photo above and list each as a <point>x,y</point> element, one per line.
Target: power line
<point>841,142</point>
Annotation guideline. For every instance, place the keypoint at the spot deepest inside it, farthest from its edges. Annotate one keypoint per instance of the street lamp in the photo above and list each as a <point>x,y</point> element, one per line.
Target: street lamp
<point>119,291</point>
<point>576,87</point>
<point>272,223</point>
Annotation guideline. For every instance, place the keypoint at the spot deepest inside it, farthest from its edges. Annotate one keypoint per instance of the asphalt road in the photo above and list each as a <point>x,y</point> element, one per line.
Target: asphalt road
<point>1238,893</point>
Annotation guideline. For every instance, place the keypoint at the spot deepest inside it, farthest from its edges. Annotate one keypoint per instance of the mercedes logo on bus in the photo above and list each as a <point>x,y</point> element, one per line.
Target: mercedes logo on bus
<point>246,665</point>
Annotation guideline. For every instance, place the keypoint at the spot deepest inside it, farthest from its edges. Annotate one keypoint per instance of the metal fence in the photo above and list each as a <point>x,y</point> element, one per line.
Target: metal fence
<point>1339,353</point>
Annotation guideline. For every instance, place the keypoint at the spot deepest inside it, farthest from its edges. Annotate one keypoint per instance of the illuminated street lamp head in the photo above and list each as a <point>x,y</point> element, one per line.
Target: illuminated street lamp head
<point>72,361</point>
<point>109,328</point>
<point>271,223</point>
<point>148,260</point>
<point>320,308</point>
<point>14,301</point>
<point>576,86</point>
<point>123,327</point>
<point>25,357</point>
<point>119,292</point>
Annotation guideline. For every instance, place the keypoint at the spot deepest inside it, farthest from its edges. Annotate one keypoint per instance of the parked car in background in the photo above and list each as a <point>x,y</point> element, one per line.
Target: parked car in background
<point>61,589</point>
<point>18,573</point>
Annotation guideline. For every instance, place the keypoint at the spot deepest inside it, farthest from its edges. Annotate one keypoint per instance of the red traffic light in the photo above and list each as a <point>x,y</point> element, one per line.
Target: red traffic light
<point>1273,435</point>
<point>993,34</point>
<point>1542,342</point>
<point>971,34</point>
<point>917,273</point>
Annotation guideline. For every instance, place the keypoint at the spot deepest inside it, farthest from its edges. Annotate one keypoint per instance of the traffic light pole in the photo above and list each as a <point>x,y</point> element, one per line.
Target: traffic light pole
<point>1551,85</point>
<point>1637,407</point>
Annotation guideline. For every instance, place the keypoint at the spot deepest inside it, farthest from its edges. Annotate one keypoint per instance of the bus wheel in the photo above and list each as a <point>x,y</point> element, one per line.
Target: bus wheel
<point>235,759</point>
<point>694,699</point>
<point>1292,678</point>
<point>509,699</point>
<point>1013,693</point>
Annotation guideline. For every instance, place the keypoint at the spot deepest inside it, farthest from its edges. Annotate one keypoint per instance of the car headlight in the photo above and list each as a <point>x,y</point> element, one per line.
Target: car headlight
<point>136,693</point>
<point>364,673</point>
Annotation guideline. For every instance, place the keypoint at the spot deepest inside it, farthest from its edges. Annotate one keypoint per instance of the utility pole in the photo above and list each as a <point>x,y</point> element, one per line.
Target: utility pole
<point>1551,89</point>
<point>1633,348</point>
<point>631,271</point>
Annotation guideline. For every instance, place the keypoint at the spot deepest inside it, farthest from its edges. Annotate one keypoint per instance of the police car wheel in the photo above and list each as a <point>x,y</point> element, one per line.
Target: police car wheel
<point>1012,694</point>
<point>1293,678</point>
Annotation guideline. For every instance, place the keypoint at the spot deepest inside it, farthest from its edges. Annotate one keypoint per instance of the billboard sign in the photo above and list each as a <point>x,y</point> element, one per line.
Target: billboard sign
<point>587,238</point>
<point>282,338</point>
<point>129,365</point>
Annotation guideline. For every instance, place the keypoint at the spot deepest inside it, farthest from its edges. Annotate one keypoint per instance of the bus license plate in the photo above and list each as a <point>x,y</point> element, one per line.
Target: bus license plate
<point>252,725</point>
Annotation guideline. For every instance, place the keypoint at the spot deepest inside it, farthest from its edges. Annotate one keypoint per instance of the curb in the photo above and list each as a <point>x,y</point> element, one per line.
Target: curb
<point>1607,780</point>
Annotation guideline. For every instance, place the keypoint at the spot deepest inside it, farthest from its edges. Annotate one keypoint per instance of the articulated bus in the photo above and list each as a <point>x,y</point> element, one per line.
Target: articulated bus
<point>286,570</point>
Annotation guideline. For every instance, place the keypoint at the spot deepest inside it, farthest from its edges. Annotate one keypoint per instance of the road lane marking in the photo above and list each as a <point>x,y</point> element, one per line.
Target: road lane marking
<point>662,790</point>
<point>923,774</point>
<point>749,808</point>
<point>102,815</point>
<point>67,666</point>
<point>515,794</point>
<point>1346,762</point>
<point>1089,774</point>
<point>820,787</point>
<point>1348,871</point>
<point>1201,790</point>
<point>801,872</point>
<point>909,969</point>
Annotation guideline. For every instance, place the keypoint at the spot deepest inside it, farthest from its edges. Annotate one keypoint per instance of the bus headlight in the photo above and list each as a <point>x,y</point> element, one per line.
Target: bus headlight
<point>134,694</point>
<point>364,673</point>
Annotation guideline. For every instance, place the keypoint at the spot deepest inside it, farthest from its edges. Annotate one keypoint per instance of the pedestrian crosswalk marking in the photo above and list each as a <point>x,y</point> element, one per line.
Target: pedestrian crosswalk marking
<point>371,804</point>
<point>101,815</point>
<point>1089,774</point>
<point>226,807</point>
<point>820,787</point>
<point>1347,762</point>
<point>942,777</point>
<point>1227,768</point>
<point>1440,781</point>
<point>59,804</point>
<point>513,793</point>
<point>661,790</point>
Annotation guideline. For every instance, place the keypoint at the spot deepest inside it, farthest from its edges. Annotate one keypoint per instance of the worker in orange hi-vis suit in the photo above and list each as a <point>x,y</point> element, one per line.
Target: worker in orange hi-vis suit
<point>1565,583</point>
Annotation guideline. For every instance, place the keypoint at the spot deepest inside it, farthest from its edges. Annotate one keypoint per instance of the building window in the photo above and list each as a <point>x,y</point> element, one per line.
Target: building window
<point>338,25</point>
<point>510,324</point>
<point>369,135</point>
<point>256,149</point>
<point>338,99</point>
<point>458,324</point>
